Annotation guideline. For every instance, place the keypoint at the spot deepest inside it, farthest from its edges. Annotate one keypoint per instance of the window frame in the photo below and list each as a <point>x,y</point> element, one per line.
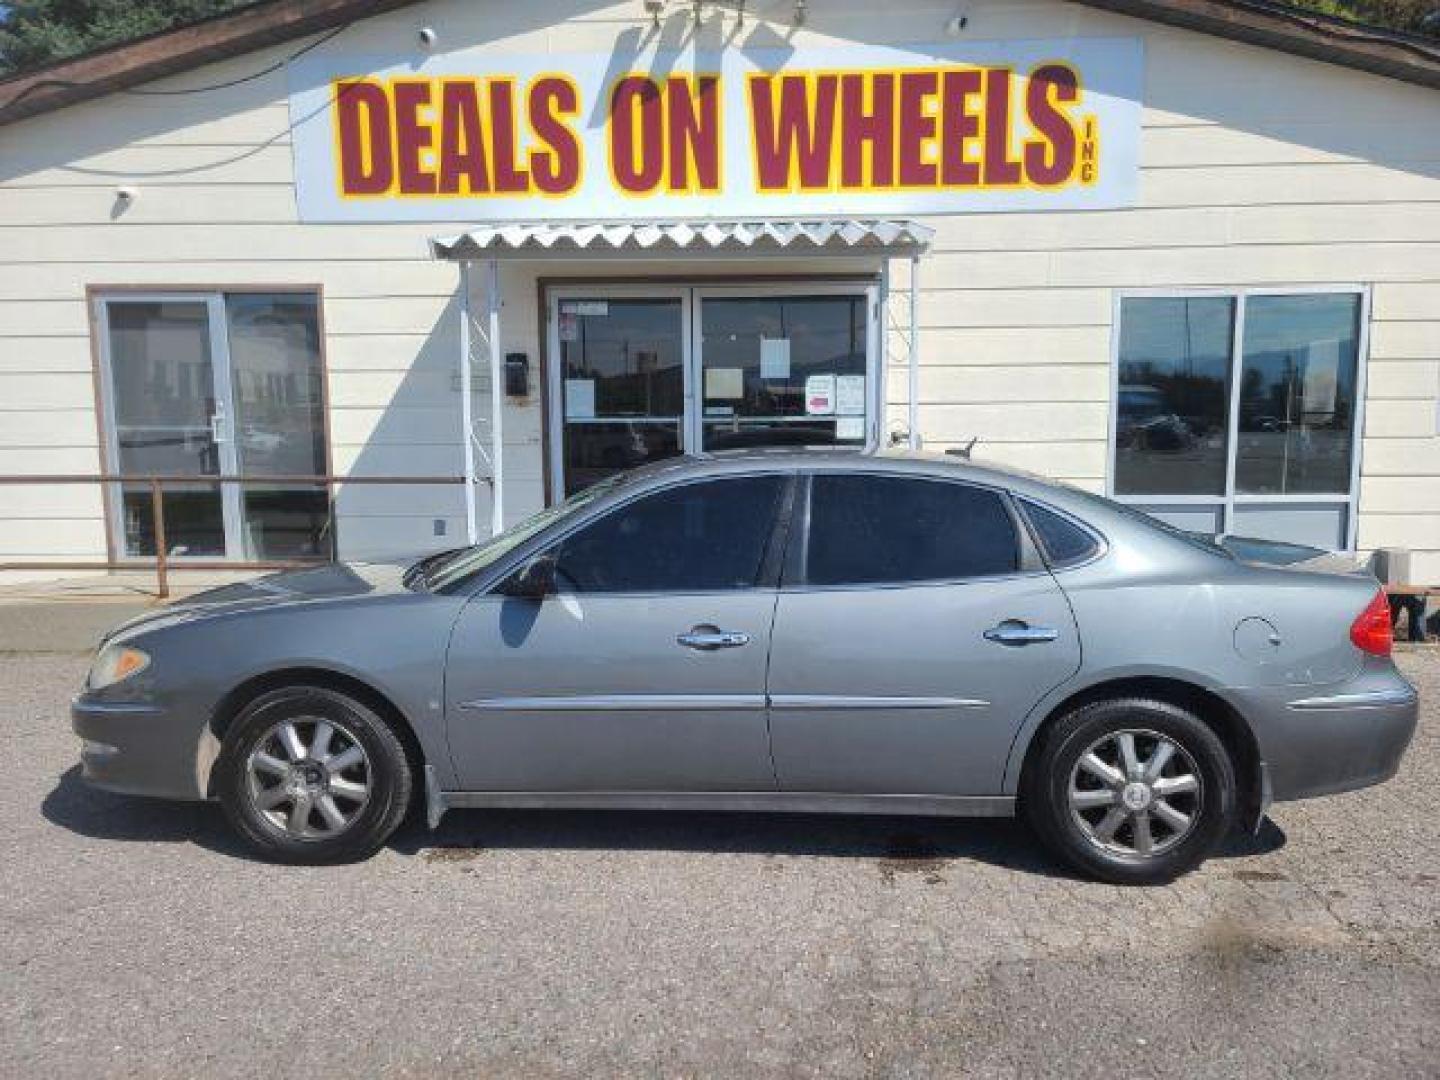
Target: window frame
<point>98,296</point>
<point>1229,500</point>
<point>767,579</point>
<point>795,577</point>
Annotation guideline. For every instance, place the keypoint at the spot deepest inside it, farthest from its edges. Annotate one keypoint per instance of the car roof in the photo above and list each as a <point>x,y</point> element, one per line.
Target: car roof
<point>789,458</point>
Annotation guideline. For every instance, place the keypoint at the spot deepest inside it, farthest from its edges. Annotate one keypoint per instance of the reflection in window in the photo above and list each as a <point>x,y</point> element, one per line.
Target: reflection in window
<point>1297,393</point>
<point>622,363</point>
<point>279,421</point>
<point>759,352</point>
<point>1172,396</point>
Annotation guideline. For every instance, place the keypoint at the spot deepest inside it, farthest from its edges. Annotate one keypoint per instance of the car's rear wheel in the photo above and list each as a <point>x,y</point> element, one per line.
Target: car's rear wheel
<point>311,775</point>
<point>1132,791</point>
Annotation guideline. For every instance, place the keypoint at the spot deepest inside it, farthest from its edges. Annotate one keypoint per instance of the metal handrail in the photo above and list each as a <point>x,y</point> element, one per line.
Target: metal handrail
<point>157,483</point>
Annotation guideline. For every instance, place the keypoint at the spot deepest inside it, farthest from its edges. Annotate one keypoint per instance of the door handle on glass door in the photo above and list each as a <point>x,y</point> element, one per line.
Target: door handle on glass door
<point>708,638</point>
<point>1015,632</point>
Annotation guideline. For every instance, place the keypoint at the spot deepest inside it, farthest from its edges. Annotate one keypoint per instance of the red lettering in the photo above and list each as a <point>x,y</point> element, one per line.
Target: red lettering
<point>510,179</point>
<point>959,125</point>
<point>694,134</point>
<point>462,165</point>
<point>1000,167</point>
<point>555,170</point>
<point>1051,159</point>
<point>917,127</point>
<point>412,138</point>
<point>793,135</point>
<point>636,96</point>
<point>868,132</point>
<point>362,119</point>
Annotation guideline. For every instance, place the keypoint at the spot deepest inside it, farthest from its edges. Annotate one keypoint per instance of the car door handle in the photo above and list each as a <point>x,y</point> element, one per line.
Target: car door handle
<point>708,639</point>
<point>1015,632</point>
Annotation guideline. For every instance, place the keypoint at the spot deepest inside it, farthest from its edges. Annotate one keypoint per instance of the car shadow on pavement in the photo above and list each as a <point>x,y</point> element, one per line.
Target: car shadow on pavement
<point>898,843</point>
<point>101,815</point>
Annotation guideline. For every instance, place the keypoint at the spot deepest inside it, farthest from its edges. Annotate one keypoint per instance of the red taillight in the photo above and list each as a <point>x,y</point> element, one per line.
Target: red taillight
<point>1371,629</point>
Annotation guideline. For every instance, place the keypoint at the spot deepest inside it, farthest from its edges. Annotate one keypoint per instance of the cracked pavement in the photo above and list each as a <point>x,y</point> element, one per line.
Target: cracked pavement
<point>139,941</point>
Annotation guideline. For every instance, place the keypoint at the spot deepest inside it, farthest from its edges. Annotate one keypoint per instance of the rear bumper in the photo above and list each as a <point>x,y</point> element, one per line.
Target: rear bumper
<point>139,749</point>
<point>1339,739</point>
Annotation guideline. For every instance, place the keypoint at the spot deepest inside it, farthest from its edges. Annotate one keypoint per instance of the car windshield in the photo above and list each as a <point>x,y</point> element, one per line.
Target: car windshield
<point>438,572</point>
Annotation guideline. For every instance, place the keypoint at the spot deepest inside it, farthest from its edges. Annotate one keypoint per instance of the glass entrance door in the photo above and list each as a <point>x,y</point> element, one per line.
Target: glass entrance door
<point>208,385</point>
<point>644,373</point>
<point>783,370</point>
<point>621,384</point>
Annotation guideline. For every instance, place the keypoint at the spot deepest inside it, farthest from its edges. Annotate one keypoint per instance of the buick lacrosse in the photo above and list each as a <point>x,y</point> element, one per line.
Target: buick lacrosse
<point>773,631</point>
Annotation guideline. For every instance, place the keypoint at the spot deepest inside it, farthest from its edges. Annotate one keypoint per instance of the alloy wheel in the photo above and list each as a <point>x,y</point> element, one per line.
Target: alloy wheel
<point>308,777</point>
<point>1135,792</point>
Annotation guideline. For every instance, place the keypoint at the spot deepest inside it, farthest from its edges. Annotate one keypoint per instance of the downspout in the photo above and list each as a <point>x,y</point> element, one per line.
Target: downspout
<point>467,419</point>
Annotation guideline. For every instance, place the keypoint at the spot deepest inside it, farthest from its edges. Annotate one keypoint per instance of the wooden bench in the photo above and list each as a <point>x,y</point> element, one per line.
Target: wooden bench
<point>1410,598</point>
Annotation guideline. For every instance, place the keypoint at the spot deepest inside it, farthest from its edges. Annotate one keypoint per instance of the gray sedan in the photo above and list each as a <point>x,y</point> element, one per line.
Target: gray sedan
<point>773,631</point>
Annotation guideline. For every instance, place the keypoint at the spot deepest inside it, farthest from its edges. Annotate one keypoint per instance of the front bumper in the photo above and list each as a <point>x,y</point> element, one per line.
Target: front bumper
<point>1332,740</point>
<point>141,749</point>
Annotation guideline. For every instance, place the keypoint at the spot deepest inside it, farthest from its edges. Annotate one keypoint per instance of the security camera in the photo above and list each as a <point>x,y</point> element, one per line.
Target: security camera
<point>427,37</point>
<point>125,194</point>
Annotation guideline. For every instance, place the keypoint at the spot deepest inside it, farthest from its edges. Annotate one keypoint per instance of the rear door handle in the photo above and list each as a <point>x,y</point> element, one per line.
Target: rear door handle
<point>1014,632</point>
<point>707,639</point>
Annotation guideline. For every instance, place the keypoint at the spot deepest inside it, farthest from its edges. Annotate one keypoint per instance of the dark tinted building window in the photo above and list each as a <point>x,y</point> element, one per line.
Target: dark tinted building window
<point>696,537</point>
<point>889,529</point>
<point>1173,395</point>
<point>1065,543</point>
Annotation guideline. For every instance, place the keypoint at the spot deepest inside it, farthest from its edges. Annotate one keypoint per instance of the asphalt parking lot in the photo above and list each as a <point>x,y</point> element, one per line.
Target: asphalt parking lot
<point>140,941</point>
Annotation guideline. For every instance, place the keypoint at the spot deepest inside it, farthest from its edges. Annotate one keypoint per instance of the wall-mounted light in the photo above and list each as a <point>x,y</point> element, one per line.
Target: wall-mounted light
<point>956,26</point>
<point>654,8</point>
<point>427,37</point>
<point>798,16</point>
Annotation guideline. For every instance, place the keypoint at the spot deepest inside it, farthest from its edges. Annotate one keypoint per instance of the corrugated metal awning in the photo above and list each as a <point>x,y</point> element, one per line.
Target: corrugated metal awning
<point>828,236</point>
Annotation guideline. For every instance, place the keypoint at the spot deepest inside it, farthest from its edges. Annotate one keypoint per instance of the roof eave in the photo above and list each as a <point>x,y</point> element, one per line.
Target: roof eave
<point>1316,37</point>
<point>1257,22</point>
<point>175,51</point>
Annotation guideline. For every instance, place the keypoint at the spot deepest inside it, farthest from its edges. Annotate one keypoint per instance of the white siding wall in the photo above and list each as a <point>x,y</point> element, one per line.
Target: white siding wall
<point>1257,168</point>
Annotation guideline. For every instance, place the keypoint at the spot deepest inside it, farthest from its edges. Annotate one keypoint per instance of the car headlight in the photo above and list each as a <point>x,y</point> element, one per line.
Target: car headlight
<point>115,663</point>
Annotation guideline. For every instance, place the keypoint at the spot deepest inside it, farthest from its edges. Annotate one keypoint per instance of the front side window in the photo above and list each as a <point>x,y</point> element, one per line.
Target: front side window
<point>699,537</point>
<point>1236,413</point>
<point>875,529</point>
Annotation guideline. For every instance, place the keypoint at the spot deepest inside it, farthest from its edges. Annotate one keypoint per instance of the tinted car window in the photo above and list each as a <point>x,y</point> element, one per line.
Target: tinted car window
<point>888,529</point>
<point>695,537</point>
<point>1065,543</point>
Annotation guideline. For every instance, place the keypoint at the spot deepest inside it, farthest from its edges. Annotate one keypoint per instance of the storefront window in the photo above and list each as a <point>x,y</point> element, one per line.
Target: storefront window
<point>1171,400</point>
<point>217,384</point>
<point>1236,412</point>
<point>1297,393</point>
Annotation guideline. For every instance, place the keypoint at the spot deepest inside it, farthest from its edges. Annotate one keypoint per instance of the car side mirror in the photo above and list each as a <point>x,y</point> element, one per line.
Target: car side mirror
<point>535,581</point>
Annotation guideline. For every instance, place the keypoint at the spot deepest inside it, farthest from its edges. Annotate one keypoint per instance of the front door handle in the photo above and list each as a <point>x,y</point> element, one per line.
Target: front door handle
<point>1014,632</point>
<point>708,638</point>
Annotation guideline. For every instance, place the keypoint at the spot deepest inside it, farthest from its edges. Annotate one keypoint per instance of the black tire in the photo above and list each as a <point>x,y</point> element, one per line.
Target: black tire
<point>1046,798</point>
<point>385,770</point>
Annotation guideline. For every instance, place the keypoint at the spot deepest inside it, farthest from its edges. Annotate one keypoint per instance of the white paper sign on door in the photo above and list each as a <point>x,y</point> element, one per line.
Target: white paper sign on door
<point>820,395</point>
<point>579,399</point>
<point>774,358</point>
<point>850,395</point>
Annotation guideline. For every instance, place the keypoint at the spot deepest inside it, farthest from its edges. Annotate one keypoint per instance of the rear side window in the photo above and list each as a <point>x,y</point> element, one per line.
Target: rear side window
<point>697,537</point>
<point>874,529</point>
<point>1065,543</point>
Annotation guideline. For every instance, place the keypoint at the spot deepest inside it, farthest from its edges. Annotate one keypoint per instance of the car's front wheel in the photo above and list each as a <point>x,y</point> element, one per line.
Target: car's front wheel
<point>1131,791</point>
<point>310,775</point>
